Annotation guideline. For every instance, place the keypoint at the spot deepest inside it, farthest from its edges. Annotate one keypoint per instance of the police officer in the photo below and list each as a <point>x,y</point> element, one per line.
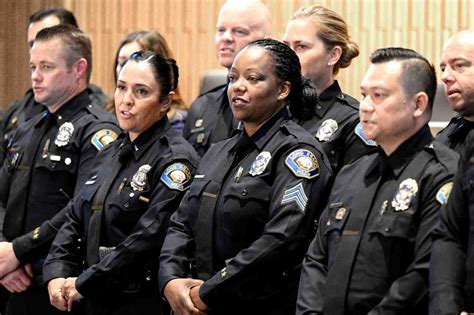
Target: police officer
<point>457,67</point>
<point>452,257</point>
<point>210,118</point>
<point>123,211</point>
<point>320,38</point>
<point>25,108</point>
<point>49,159</point>
<point>249,214</point>
<point>371,252</point>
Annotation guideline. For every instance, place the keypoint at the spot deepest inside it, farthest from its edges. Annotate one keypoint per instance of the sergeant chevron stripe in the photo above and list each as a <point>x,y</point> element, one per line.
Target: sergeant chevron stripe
<point>296,194</point>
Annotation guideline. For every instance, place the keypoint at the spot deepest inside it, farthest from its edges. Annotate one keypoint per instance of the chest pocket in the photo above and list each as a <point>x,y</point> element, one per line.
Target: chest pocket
<point>334,227</point>
<point>395,224</point>
<point>58,176</point>
<point>129,200</point>
<point>249,189</point>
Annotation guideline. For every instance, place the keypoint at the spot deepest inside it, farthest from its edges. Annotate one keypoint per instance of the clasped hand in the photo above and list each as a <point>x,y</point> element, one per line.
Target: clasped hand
<point>63,293</point>
<point>183,296</point>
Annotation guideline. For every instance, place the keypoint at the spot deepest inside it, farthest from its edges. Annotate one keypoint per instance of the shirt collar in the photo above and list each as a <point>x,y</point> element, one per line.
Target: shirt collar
<point>267,130</point>
<point>148,137</point>
<point>72,107</point>
<point>398,160</point>
<point>327,98</point>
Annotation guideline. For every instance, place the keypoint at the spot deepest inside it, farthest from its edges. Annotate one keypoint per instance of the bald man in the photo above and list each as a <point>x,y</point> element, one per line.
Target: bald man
<point>457,67</point>
<point>452,257</point>
<point>210,118</point>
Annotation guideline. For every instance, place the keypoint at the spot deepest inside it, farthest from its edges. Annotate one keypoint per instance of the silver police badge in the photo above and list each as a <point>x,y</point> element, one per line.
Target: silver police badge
<point>260,163</point>
<point>405,194</point>
<point>64,134</point>
<point>326,130</point>
<point>139,178</point>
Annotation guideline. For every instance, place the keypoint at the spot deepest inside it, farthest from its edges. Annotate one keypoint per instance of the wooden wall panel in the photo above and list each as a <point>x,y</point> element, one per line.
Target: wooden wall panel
<point>189,27</point>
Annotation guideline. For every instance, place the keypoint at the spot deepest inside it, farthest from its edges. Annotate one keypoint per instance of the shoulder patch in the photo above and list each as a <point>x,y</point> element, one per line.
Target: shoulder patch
<point>102,138</point>
<point>303,163</point>
<point>360,134</point>
<point>297,195</point>
<point>177,176</point>
<point>443,193</point>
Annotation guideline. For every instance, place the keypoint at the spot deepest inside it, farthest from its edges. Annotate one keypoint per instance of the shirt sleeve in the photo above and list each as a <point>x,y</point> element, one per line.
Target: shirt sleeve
<point>313,274</point>
<point>450,240</point>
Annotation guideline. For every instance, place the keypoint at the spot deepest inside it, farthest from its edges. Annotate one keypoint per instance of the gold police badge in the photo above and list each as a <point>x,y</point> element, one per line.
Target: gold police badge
<point>405,194</point>
<point>326,130</point>
<point>64,134</point>
<point>139,178</point>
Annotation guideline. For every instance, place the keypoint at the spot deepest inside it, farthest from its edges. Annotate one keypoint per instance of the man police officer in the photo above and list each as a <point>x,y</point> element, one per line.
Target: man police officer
<point>48,161</point>
<point>371,252</point>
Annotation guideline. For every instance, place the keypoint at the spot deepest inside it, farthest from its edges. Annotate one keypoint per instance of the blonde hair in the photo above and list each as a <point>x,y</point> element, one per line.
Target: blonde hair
<point>332,30</point>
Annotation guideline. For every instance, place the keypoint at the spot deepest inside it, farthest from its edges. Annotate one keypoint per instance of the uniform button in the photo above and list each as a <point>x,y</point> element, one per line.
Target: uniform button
<point>244,192</point>
<point>53,165</point>
<point>148,278</point>
<point>318,106</point>
<point>388,230</point>
<point>126,205</point>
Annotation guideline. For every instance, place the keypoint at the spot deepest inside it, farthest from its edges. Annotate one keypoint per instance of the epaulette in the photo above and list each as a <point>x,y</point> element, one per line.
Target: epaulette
<point>216,89</point>
<point>349,100</point>
<point>181,150</point>
<point>296,131</point>
<point>100,113</point>
<point>444,155</point>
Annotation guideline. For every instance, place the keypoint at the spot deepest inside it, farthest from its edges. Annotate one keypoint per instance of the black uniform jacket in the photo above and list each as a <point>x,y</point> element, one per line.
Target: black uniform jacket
<point>209,120</point>
<point>455,133</point>
<point>40,175</point>
<point>452,258</point>
<point>247,219</point>
<point>335,126</point>
<point>26,108</point>
<point>139,200</point>
<point>371,253</point>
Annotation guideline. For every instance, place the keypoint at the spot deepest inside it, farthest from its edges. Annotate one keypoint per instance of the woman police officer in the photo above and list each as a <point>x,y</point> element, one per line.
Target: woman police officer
<point>236,243</point>
<point>123,211</point>
<point>320,38</point>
